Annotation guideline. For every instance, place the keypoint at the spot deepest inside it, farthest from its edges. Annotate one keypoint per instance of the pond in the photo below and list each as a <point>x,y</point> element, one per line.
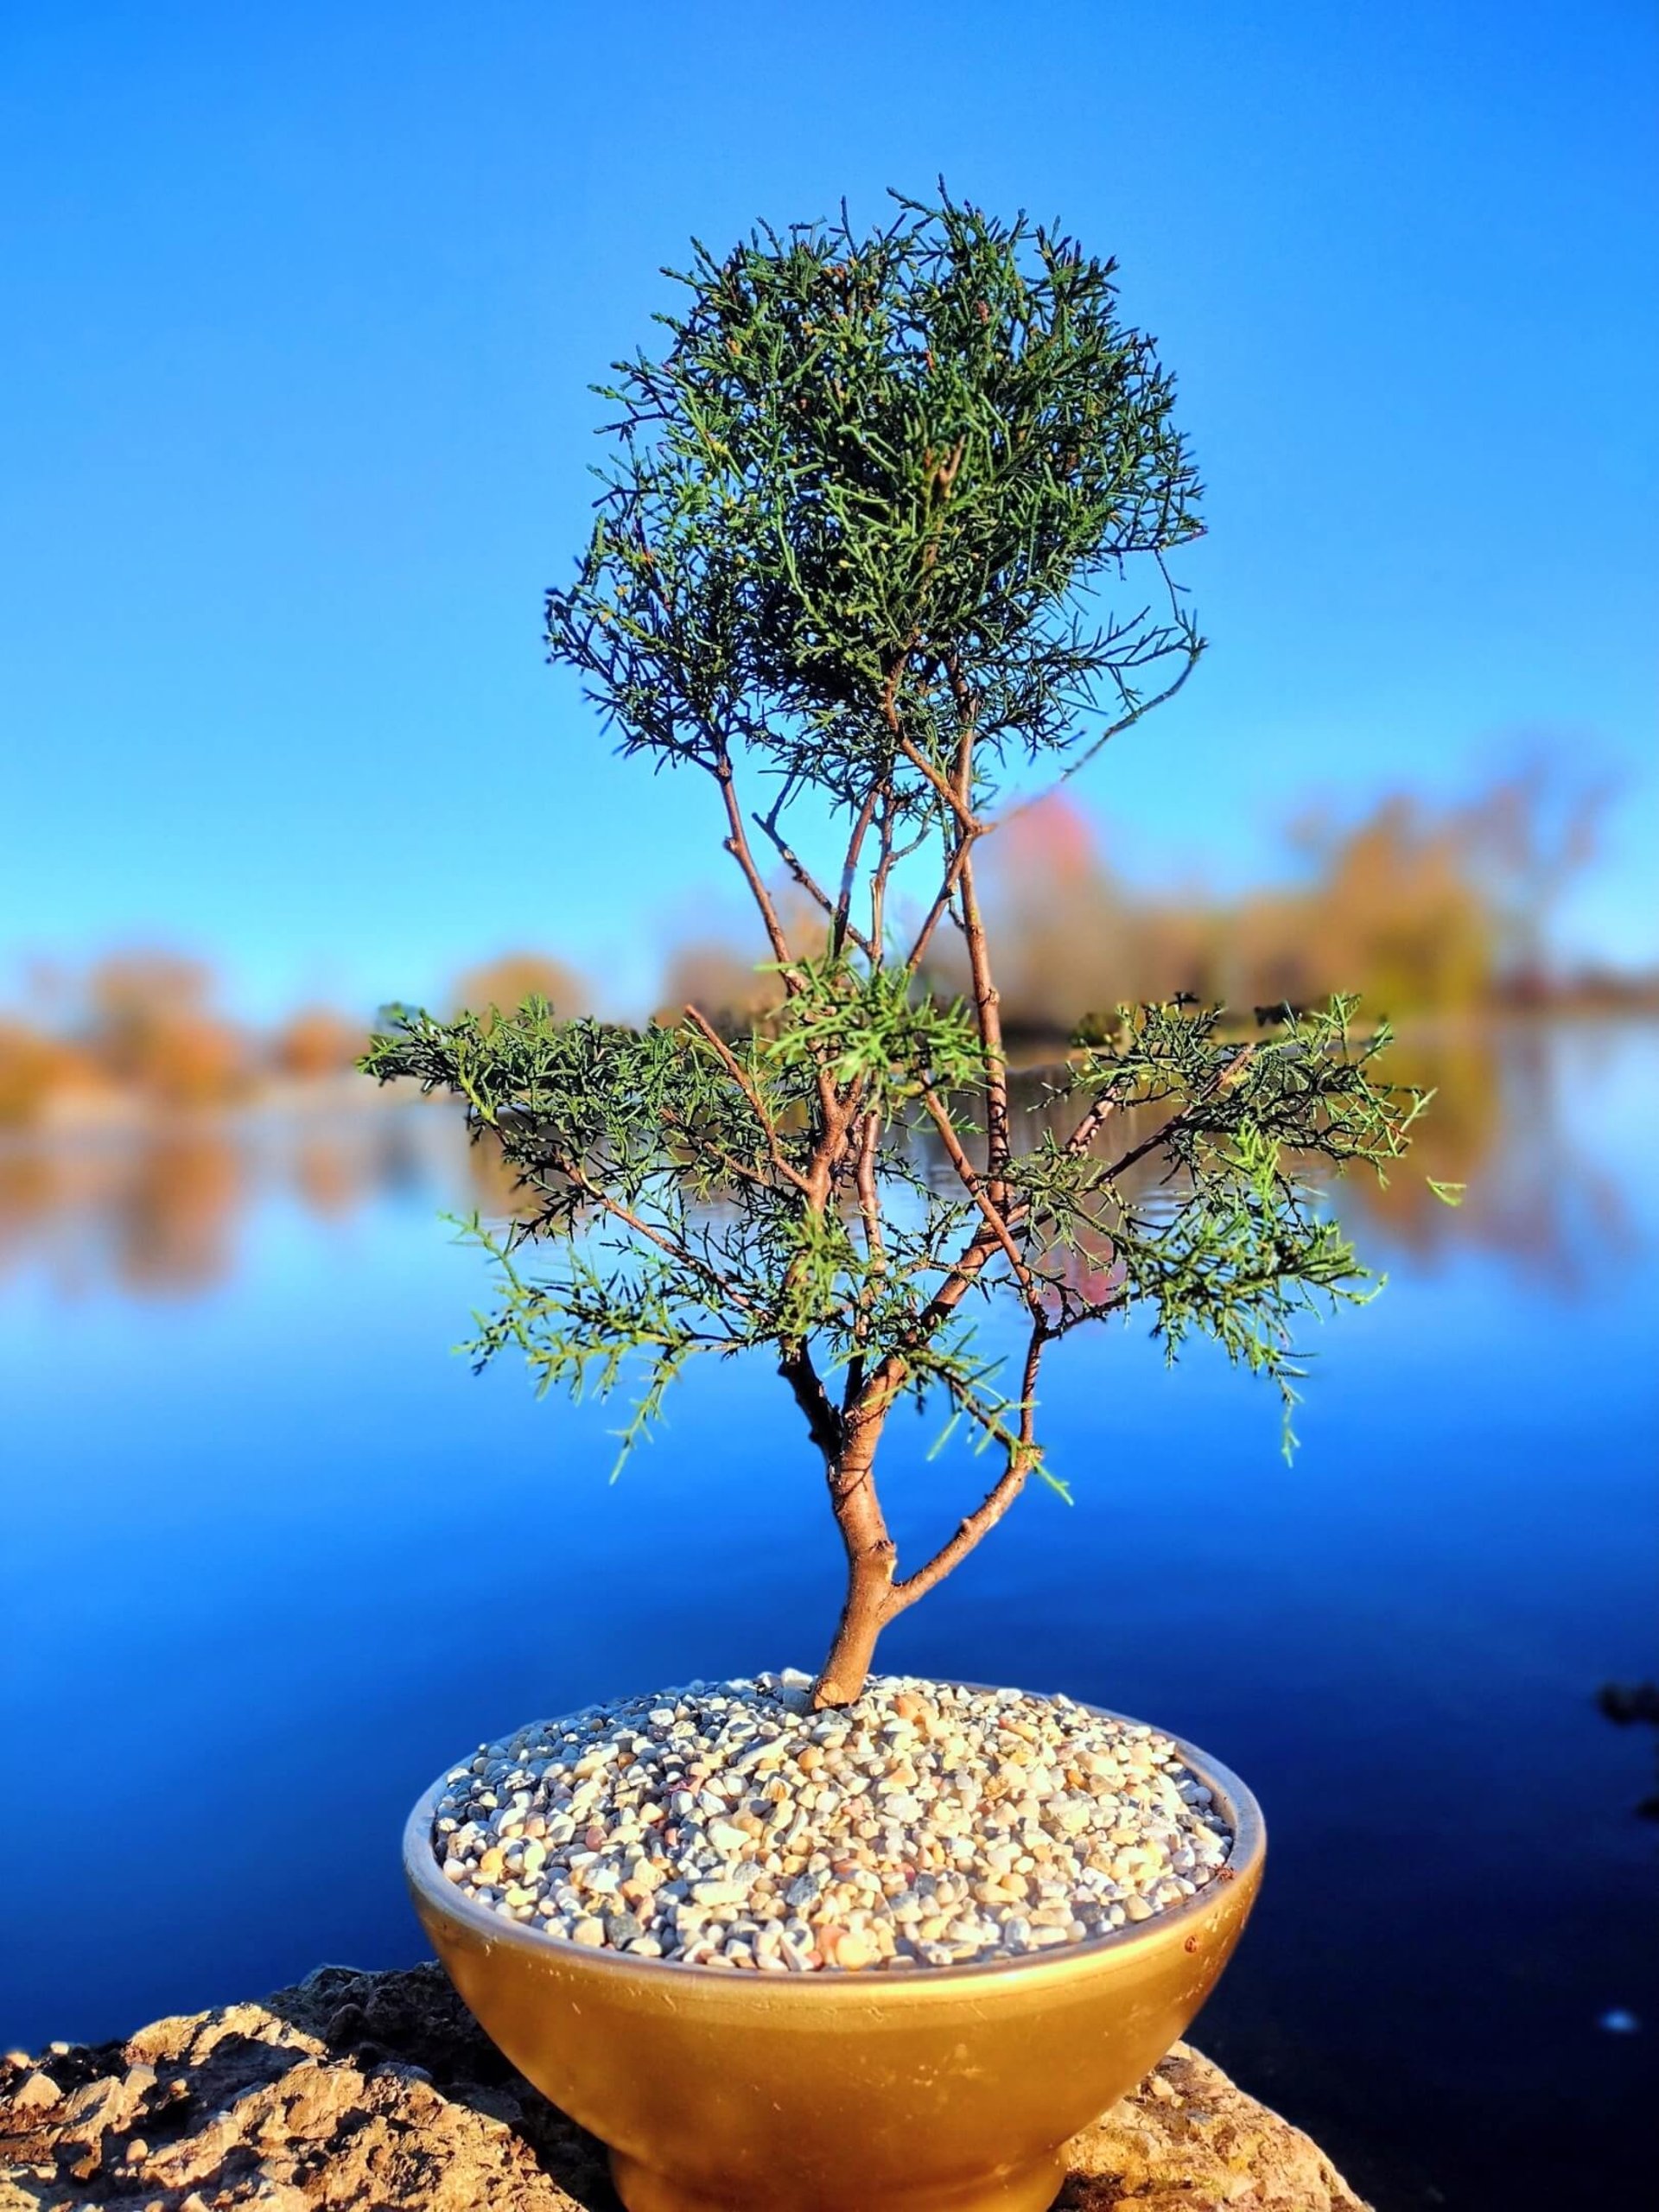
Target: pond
<point>270,1559</point>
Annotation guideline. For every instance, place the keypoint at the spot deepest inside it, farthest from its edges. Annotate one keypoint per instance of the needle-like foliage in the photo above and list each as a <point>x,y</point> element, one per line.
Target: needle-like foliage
<point>887,522</point>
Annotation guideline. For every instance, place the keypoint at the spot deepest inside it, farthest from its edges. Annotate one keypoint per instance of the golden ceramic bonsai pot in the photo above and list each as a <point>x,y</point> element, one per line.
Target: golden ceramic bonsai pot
<point>935,2089</point>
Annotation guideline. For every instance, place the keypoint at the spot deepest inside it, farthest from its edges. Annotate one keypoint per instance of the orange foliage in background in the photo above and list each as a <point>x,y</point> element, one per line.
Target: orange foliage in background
<point>502,985</point>
<point>139,1037</point>
<point>152,1030</point>
<point>315,1042</point>
<point>1424,911</point>
<point>1421,911</point>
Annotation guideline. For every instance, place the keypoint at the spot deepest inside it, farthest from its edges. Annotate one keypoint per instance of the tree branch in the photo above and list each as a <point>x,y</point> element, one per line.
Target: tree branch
<point>804,876</point>
<point>937,913</point>
<point>734,1068</point>
<point>797,1367</point>
<point>737,844</point>
<point>1022,1457</point>
<point>996,1218</point>
<point>1228,1076</point>
<point>1084,1135</point>
<point>841,923</point>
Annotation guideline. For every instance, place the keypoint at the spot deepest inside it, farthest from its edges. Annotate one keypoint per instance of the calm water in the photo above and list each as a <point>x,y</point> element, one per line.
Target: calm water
<point>270,1559</point>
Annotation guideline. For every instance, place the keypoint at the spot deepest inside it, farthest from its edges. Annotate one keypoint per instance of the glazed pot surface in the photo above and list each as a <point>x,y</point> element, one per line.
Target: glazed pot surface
<point>928,2089</point>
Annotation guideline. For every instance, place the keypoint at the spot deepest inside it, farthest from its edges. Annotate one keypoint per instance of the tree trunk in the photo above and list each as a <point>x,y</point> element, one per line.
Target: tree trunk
<point>863,1615</point>
<point>871,1556</point>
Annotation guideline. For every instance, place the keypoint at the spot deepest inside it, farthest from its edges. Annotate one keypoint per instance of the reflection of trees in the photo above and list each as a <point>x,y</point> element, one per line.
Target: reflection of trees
<point>173,1218</point>
<point>30,1199</point>
<point>493,1187</point>
<point>1624,1703</point>
<point>1455,1141</point>
<point>155,1214</point>
<point>1499,1123</point>
<point>326,1176</point>
<point>161,1213</point>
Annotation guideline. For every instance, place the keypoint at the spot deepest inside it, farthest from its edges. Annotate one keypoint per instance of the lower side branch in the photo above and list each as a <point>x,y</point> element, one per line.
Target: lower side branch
<point>874,1595</point>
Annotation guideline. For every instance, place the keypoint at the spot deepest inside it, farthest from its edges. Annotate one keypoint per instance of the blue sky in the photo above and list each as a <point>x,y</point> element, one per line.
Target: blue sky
<point>302,304</point>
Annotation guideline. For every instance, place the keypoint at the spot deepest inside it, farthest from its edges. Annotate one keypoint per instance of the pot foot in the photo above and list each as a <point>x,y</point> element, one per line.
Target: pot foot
<point>1026,2189</point>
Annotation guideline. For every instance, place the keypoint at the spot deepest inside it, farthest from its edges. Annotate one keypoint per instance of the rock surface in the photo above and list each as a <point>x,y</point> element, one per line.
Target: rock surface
<point>377,2090</point>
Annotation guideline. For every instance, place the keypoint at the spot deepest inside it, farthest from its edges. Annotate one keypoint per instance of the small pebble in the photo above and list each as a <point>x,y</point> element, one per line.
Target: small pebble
<point>727,1825</point>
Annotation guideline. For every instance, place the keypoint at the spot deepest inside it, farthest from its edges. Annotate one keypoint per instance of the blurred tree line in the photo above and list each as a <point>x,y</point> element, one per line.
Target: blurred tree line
<point>1427,912</point>
<point>142,1035</point>
<point>1424,910</point>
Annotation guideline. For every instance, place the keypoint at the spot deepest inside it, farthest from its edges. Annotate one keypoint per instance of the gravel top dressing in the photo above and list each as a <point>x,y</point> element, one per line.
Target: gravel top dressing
<point>725,1825</point>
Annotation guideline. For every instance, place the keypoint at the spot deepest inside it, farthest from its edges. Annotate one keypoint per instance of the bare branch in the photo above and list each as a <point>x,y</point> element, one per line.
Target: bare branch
<point>767,824</point>
<point>977,1191</point>
<point>737,844</point>
<point>734,1068</point>
<point>941,905</point>
<point>841,923</point>
<point>1022,1457</point>
<point>1087,1129</point>
<point>797,1367</point>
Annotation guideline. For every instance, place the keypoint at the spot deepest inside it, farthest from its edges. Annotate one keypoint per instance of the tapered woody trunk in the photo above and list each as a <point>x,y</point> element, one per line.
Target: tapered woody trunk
<point>871,1557</point>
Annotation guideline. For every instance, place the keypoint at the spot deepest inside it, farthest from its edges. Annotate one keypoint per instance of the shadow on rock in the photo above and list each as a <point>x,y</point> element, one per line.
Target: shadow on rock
<point>358,2090</point>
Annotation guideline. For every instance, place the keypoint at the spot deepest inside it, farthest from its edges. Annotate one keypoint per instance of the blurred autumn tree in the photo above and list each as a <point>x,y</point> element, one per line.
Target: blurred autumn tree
<point>513,979</point>
<point>314,1042</point>
<point>1434,911</point>
<point>151,1027</point>
<point>36,1067</point>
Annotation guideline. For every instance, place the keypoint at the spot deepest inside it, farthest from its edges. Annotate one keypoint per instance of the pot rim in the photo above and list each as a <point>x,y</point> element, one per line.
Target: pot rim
<point>426,1881</point>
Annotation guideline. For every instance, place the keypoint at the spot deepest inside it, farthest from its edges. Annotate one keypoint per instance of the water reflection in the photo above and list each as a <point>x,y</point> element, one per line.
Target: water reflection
<point>159,1210</point>
<point>276,1498</point>
<point>1627,1703</point>
<point>157,1213</point>
<point>1501,1123</point>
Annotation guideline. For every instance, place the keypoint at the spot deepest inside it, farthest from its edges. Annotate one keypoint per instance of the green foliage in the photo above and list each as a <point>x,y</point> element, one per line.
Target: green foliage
<point>860,460</point>
<point>1226,1232</point>
<point>679,1231</point>
<point>852,541</point>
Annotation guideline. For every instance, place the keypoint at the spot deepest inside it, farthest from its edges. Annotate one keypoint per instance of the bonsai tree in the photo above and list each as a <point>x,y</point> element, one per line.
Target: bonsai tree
<point>887,525</point>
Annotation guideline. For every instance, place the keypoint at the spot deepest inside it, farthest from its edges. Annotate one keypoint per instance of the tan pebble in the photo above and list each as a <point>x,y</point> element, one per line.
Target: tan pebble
<point>857,1948</point>
<point>490,1865</point>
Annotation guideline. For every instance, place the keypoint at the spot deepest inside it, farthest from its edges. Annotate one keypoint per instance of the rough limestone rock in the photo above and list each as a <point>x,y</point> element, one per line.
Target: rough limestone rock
<point>378,2090</point>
